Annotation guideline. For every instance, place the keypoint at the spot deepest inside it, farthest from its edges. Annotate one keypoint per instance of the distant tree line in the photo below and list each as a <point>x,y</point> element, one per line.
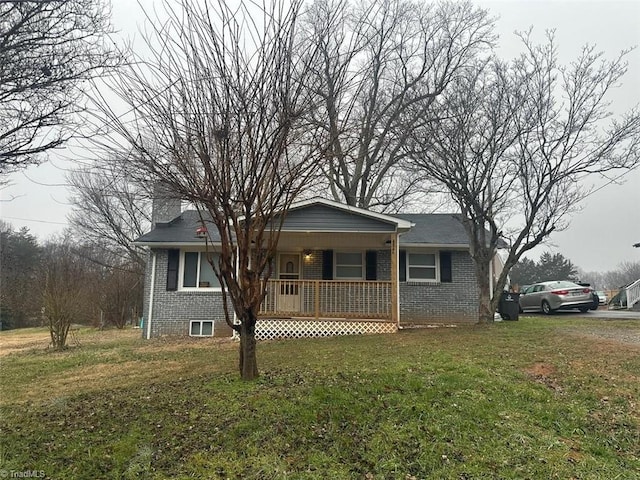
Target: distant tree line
<point>557,267</point>
<point>65,281</point>
<point>625,274</point>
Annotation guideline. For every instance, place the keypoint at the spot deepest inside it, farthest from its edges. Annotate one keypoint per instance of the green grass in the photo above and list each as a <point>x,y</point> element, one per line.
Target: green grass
<point>538,398</point>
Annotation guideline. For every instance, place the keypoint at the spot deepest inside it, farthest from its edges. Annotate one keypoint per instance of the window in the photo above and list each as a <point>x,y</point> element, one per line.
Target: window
<point>349,265</point>
<point>422,267</point>
<point>201,328</point>
<point>197,271</point>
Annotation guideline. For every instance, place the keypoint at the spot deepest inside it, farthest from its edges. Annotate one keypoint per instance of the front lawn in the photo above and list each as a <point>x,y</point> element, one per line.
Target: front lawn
<point>538,398</point>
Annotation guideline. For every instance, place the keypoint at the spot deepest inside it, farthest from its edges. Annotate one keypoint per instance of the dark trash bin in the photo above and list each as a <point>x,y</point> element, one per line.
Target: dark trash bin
<point>509,306</point>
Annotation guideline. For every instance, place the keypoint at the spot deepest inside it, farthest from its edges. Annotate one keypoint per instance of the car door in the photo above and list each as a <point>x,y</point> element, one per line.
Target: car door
<point>528,299</point>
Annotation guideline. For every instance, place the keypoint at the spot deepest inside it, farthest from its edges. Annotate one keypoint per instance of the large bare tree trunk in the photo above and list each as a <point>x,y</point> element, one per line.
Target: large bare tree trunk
<point>485,312</point>
<point>248,360</point>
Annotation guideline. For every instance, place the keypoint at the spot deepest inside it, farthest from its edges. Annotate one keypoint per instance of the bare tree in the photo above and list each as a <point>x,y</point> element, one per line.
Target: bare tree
<point>217,116</point>
<point>625,274</point>
<point>110,211</point>
<point>515,145</point>
<point>120,295</point>
<point>68,283</point>
<point>380,67</point>
<point>47,48</point>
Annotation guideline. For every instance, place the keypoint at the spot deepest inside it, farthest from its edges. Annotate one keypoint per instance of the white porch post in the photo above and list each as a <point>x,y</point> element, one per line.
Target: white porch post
<point>395,285</point>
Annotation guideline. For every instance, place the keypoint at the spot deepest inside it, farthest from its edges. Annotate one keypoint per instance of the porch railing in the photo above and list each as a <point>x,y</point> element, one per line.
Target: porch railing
<point>627,297</point>
<point>633,294</point>
<point>327,299</point>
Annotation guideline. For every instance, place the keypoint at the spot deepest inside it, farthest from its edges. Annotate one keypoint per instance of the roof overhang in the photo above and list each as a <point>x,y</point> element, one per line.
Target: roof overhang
<point>449,246</point>
<point>194,244</point>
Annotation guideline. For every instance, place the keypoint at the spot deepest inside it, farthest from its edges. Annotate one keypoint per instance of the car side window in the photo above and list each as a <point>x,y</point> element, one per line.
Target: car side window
<point>539,288</point>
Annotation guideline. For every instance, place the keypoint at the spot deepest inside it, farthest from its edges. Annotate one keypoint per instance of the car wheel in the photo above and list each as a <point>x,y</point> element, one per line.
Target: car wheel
<point>546,308</point>
<point>584,309</point>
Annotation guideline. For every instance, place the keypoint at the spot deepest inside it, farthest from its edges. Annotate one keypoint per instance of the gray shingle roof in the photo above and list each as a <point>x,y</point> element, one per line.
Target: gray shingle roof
<point>181,229</point>
<point>436,229</point>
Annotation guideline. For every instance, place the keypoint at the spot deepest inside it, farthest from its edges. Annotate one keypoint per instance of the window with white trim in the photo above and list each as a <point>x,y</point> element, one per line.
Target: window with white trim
<point>422,267</point>
<point>197,272</point>
<point>201,328</point>
<point>349,266</point>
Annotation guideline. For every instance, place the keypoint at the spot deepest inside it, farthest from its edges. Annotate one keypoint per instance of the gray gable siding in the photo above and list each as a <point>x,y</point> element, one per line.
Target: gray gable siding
<point>321,218</point>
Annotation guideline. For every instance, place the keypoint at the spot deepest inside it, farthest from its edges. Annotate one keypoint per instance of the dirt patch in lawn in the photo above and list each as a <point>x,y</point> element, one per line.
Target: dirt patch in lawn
<point>541,369</point>
<point>544,373</point>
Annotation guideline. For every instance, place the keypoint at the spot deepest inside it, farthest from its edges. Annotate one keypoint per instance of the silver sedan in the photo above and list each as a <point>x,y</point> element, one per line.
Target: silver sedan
<point>556,295</point>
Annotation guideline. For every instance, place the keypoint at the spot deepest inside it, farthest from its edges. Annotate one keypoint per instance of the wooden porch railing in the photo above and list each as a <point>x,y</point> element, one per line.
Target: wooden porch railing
<point>327,299</point>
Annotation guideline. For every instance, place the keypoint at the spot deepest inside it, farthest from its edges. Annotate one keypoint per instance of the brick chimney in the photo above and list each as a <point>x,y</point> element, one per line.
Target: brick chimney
<point>165,206</point>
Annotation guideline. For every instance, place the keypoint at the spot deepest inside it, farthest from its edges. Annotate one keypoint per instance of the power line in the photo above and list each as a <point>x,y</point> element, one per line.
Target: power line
<point>34,220</point>
<point>613,180</point>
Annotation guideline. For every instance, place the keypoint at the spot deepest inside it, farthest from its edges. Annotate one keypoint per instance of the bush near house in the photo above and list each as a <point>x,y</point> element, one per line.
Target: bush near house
<point>538,398</point>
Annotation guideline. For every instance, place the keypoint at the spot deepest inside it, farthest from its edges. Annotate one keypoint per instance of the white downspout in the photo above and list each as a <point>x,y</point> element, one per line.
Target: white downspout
<point>152,288</point>
<point>396,246</point>
<point>491,278</point>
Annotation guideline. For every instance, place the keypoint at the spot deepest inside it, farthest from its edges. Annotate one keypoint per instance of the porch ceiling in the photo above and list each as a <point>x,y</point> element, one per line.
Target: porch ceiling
<point>294,241</point>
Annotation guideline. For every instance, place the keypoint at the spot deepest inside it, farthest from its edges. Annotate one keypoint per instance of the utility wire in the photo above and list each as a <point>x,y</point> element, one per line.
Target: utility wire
<point>34,220</point>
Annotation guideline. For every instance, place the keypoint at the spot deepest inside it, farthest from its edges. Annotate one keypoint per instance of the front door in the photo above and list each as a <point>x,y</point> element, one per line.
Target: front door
<point>289,291</point>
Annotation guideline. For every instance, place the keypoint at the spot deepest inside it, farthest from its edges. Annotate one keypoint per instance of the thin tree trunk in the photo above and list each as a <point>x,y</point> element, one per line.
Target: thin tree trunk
<point>248,361</point>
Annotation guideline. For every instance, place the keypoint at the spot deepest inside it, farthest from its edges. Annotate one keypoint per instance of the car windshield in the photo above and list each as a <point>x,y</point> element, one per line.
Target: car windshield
<point>600,293</point>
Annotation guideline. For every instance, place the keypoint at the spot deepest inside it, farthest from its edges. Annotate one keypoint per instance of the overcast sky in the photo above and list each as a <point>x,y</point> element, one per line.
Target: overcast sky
<point>598,239</point>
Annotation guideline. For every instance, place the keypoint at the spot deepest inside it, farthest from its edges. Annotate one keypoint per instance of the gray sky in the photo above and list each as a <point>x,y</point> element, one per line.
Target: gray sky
<point>598,239</point>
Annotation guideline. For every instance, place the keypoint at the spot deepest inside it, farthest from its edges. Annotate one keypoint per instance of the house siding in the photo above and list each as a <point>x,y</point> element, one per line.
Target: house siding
<point>456,302</point>
<point>174,310</point>
<point>320,218</point>
<point>312,268</point>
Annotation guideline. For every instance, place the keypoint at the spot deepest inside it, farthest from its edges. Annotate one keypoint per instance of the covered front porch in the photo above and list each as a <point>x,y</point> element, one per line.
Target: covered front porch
<point>336,271</point>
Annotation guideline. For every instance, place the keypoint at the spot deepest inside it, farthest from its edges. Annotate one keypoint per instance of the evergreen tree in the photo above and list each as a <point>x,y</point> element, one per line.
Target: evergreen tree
<point>556,267</point>
<point>21,292</point>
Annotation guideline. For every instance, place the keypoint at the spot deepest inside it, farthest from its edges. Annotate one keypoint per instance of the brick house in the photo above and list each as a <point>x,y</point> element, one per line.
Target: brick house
<point>339,270</point>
